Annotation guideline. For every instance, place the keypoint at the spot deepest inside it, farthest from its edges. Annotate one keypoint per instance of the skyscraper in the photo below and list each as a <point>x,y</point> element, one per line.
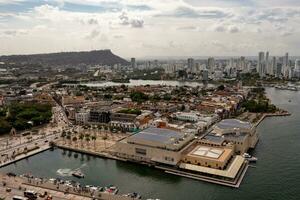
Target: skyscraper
<point>191,64</point>
<point>133,63</point>
<point>267,68</point>
<point>274,70</point>
<point>211,64</point>
<point>243,63</point>
<point>261,64</point>
<point>297,68</point>
<point>285,66</point>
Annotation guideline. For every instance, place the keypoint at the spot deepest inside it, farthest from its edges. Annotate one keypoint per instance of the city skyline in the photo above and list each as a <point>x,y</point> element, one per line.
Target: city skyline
<point>150,28</point>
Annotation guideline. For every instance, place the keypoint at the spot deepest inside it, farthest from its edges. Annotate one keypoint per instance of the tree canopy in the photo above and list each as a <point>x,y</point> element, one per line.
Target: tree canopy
<point>24,115</point>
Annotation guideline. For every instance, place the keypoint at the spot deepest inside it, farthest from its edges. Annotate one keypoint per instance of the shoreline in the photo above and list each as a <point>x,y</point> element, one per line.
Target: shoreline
<point>276,114</point>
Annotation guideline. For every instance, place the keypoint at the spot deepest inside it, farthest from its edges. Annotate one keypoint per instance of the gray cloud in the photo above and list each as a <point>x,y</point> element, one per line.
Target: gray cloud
<point>124,19</point>
<point>186,28</point>
<point>219,28</point>
<point>137,23</point>
<point>134,22</point>
<point>14,32</point>
<point>93,34</point>
<point>190,12</point>
<point>118,36</point>
<point>92,21</point>
<point>233,29</point>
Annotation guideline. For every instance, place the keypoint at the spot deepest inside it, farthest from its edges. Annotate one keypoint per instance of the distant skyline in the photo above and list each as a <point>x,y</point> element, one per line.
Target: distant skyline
<point>151,28</point>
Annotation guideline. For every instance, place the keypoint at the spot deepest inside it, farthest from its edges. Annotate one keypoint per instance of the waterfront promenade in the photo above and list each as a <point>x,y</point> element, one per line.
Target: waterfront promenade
<point>11,186</point>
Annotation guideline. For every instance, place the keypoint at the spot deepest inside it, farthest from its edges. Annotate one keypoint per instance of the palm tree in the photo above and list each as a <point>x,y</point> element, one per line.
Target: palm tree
<point>69,138</point>
<point>94,139</point>
<point>87,139</point>
<point>63,135</point>
<point>81,136</point>
<point>75,140</point>
<point>104,138</point>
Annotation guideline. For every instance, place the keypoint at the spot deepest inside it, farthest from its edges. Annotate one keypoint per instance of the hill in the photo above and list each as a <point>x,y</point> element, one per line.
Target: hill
<point>101,57</point>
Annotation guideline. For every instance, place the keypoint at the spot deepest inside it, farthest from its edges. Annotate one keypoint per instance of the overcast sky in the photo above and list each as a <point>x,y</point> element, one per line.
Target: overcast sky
<point>141,28</point>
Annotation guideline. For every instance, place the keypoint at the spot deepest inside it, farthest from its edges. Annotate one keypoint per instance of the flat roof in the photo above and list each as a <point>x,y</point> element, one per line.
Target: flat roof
<point>207,152</point>
<point>161,135</point>
<point>231,172</point>
<point>214,139</point>
<point>233,123</point>
<point>210,153</point>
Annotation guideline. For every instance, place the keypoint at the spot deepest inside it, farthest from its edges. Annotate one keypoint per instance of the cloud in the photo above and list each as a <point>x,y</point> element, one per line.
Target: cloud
<point>93,34</point>
<point>177,26</point>
<point>186,28</point>
<point>118,36</point>
<point>93,21</point>
<point>137,23</point>
<point>134,22</point>
<point>124,19</point>
<point>233,29</point>
<point>14,32</point>
<point>221,28</point>
<point>190,12</point>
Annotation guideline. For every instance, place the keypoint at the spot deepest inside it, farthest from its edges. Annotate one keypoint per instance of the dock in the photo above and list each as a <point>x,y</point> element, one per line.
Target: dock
<point>17,185</point>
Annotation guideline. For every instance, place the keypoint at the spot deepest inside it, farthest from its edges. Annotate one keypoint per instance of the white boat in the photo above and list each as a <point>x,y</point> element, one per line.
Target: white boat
<point>78,174</point>
<point>133,195</point>
<point>111,189</point>
<point>249,157</point>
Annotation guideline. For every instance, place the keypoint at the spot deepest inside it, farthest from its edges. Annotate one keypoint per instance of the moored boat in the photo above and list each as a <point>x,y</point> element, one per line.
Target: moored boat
<point>249,157</point>
<point>78,174</point>
<point>111,189</point>
<point>133,195</point>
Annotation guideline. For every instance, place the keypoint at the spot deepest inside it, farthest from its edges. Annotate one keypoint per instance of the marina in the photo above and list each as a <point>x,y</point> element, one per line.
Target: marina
<point>153,183</point>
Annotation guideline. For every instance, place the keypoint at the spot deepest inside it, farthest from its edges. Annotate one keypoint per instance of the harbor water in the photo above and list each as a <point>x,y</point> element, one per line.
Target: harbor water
<point>275,176</point>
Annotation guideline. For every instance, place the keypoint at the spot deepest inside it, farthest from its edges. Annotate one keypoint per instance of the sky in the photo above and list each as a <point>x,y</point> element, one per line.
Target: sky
<point>149,28</point>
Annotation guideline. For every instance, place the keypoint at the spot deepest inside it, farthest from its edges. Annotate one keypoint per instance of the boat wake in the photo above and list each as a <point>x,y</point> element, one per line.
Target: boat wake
<point>67,171</point>
<point>64,172</point>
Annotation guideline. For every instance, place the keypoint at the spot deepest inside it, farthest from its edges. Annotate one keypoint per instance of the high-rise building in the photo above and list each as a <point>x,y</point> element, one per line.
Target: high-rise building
<point>285,66</point>
<point>211,64</point>
<point>297,68</point>
<point>242,64</point>
<point>205,75</point>
<point>274,67</point>
<point>267,67</point>
<point>191,64</point>
<point>261,64</point>
<point>133,63</point>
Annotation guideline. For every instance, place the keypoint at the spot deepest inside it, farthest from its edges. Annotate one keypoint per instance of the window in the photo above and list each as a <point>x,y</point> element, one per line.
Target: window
<point>169,159</point>
<point>140,151</point>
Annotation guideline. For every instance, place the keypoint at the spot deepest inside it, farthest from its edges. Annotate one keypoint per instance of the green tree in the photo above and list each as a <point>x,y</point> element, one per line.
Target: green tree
<point>81,136</point>
<point>5,126</point>
<point>139,96</point>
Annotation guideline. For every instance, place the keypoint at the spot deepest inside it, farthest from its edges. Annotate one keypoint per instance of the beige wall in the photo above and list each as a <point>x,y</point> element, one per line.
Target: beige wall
<point>128,151</point>
<point>208,162</point>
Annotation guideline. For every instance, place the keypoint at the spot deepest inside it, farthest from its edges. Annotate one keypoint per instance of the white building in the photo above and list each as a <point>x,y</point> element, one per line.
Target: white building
<point>82,117</point>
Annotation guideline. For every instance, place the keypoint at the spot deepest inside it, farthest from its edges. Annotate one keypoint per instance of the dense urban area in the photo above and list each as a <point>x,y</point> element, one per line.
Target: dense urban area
<point>191,118</point>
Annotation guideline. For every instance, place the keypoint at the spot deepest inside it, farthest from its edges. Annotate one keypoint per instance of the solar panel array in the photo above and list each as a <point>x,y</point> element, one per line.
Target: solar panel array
<point>161,135</point>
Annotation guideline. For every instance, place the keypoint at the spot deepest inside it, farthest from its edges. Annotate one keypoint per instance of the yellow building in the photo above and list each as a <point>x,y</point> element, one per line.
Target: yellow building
<point>212,157</point>
<point>154,145</point>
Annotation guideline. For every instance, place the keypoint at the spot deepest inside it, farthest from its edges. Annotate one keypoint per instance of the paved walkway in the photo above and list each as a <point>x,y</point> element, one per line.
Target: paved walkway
<point>25,155</point>
<point>18,185</point>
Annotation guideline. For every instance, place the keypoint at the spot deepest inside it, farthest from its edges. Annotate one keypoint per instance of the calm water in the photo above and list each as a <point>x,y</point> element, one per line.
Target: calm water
<point>276,176</point>
<point>147,82</point>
